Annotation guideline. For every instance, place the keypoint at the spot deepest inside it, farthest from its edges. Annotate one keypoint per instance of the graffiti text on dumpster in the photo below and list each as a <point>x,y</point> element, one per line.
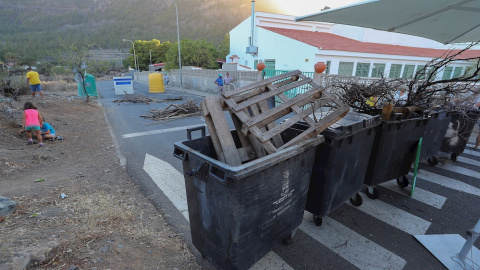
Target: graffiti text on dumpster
<point>285,195</point>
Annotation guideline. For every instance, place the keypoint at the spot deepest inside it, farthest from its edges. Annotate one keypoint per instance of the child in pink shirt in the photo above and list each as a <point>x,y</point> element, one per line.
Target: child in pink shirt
<point>32,121</point>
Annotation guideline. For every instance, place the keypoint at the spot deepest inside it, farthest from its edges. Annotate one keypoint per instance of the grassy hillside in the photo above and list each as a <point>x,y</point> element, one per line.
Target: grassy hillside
<point>34,27</point>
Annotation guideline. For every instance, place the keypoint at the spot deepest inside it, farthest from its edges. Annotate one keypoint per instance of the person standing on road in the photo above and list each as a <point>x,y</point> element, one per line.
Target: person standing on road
<point>219,83</point>
<point>167,79</point>
<point>227,81</point>
<point>34,81</point>
<point>32,121</point>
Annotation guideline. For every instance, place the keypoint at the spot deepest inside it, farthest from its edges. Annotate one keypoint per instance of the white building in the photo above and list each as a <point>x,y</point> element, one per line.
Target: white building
<point>284,44</point>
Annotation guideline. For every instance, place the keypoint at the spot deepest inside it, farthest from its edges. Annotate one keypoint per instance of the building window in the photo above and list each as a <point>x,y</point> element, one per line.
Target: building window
<point>395,71</point>
<point>345,68</point>
<point>378,70</point>
<point>421,72</point>
<point>269,64</point>
<point>408,71</point>
<point>255,63</point>
<point>362,69</point>
<point>447,73</point>
<point>457,72</point>
<point>327,71</point>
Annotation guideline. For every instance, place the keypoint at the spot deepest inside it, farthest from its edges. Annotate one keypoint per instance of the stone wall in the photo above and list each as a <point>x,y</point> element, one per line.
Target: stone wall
<point>202,79</point>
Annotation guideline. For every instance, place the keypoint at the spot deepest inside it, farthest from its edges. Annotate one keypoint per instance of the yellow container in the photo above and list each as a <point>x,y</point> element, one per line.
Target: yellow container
<point>155,83</point>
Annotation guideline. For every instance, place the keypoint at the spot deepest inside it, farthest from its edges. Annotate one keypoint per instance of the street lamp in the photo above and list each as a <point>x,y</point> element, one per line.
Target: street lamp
<point>179,55</point>
<point>134,55</point>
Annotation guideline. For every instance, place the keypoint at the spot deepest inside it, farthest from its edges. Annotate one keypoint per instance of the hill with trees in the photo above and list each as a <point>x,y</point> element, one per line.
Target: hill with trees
<point>33,29</point>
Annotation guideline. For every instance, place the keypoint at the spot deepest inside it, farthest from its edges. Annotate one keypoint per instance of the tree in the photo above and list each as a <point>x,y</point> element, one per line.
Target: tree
<point>144,48</point>
<point>11,57</point>
<point>75,58</point>
<point>224,48</point>
<point>197,53</point>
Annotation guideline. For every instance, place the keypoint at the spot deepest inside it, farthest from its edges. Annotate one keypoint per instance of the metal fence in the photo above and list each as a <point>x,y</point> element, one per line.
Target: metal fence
<point>295,91</point>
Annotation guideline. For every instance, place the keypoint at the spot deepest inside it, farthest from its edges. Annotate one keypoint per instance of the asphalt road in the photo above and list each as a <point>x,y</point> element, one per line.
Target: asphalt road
<point>379,234</point>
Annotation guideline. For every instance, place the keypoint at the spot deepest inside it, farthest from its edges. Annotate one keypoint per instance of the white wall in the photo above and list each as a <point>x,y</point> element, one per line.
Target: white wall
<point>290,54</point>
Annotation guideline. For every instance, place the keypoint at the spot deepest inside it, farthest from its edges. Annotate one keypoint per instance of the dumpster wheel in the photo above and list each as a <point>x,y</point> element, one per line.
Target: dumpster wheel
<point>357,200</point>
<point>402,181</point>
<point>289,239</point>
<point>317,220</point>
<point>372,193</point>
<point>432,161</point>
<point>454,156</point>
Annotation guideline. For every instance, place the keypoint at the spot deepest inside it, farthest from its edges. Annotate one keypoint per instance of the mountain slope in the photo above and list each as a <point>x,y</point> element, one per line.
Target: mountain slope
<point>33,26</point>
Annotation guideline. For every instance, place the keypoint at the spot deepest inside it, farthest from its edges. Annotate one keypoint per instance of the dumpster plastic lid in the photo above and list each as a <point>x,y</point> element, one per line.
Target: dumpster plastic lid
<point>352,123</point>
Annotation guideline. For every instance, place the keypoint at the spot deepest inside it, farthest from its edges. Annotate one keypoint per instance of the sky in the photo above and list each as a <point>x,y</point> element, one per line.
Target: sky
<point>306,7</point>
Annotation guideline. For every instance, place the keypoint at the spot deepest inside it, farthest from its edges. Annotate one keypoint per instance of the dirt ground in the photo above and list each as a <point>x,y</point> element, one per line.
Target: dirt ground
<point>104,222</point>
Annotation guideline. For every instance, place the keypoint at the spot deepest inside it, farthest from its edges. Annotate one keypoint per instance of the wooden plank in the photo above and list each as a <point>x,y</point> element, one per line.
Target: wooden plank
<point>238,126</point>
<point>287,81</point>
<point>268,146</point>
<point>269,94</point>
<point>246,153</point>
<point>295,108</point>
<point>221,128</point>
<point>303,115</point>
<point>260,83</point>
<point>321,126</point>
<point>282,110</point>
<point>277,139</point>
<point>213,135</point>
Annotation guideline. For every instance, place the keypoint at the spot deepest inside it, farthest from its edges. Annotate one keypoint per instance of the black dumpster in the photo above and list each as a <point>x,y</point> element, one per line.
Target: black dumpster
<point>459,131</point>
<point>340,164</point>
<point>434,133</point>
<point>393,151</point>
<point>238,214</point>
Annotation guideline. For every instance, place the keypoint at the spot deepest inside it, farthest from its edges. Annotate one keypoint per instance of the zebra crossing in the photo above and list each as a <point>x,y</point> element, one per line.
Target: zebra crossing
<point>349,243</point>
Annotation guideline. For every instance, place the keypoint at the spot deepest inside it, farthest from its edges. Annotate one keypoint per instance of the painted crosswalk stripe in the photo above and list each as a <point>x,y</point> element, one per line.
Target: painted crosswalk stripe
<point>353,247</point>
<point>395,217</point>
<point>271,261</point>
<point>460,170</point>
<point>472,152</point>
<point>169,180</point>
<point>448,182</point>
<point>152,132</point>
<point>420,195</point>
<point>172,184</point>
<point>468,161</point>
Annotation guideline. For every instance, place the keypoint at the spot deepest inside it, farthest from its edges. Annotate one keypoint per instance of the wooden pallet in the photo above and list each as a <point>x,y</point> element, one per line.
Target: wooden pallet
<point>249,105</point>
<point>221,136</point>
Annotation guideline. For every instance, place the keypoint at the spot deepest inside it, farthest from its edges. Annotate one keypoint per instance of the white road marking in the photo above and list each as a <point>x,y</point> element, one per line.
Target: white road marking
<point>468,161</point>
<point>271,261</point>
<point>138,134</point>
<point>395,217</point>
<point>472,151</point>
<point>172,183</point>
<point>457,169</point>
<point>448,182</point>
<point>169,180</point>
<point>353,247</point>
<point>420,195</point>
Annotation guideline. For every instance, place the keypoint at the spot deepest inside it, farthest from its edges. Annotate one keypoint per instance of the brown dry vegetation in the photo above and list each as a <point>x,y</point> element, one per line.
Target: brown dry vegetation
<point>103,223</point>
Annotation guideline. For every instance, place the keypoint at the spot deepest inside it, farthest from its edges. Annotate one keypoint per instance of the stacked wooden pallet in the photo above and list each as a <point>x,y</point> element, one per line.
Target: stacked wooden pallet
<point>258,124</point>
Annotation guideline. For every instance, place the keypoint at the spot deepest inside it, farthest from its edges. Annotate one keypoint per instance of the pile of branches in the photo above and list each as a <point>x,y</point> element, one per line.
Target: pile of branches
<point>139,98</point>
<point>423,90</point>
<point>172,111</point>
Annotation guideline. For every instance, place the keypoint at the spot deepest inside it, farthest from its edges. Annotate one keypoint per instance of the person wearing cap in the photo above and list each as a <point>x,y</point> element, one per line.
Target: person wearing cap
<point>219,83</point>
